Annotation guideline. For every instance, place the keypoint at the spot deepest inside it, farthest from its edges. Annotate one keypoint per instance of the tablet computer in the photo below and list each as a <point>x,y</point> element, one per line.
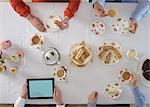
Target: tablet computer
<point>40,88</point>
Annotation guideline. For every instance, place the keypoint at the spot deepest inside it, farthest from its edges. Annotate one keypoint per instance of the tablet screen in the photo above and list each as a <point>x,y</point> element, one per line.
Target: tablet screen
<point>40,88</point>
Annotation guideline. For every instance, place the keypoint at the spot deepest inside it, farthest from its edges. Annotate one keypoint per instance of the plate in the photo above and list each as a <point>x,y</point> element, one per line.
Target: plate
<point>120,25</point>
<point>109,52</point>
<point>50,23</point>
<point>13,63</point>
<point>113,90</point>
<point>140,71</point>
<point>97,27</point>
<point>81,54</point>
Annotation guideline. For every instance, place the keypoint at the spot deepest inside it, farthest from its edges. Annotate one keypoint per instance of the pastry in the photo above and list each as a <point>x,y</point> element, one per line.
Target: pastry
<point>108,58</point>
<point>15,58</point>
<point>3,61</point>
<point>80,52</point>
<point>5,44</point>
<point>117,54</point>
<point>147,75</point>
<point>2,69</point>
<point>13,70</point>
<point>20,54</point>
<point>146,65</point>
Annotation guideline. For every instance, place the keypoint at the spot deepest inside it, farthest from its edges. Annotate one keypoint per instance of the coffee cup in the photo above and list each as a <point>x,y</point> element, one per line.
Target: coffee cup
<point>125,75</point>
<point>60,74</point>
<point>37,40</point>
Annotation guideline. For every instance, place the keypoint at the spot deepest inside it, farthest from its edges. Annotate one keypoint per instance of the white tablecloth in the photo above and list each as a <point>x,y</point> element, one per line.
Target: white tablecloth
<point>81,82</point>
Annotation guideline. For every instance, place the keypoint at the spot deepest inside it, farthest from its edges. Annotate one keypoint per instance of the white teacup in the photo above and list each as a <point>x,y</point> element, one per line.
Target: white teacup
<point>60,74</point>
<point>132,54</point>
<point>37,40</point>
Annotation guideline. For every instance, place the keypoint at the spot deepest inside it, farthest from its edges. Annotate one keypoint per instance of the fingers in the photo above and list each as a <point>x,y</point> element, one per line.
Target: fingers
<point>41,27</point>
<point>133,26</point>
<point>100,13</point>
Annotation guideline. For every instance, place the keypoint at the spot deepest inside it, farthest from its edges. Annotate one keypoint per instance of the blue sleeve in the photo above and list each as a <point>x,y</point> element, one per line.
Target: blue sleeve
<point>141,10</point>
<point>139,98</point>
<point>101,2</point>
<point>91,105</point>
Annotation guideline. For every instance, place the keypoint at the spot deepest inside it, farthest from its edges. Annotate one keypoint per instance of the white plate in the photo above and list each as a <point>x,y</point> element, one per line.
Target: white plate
<point>114,44</point>
<point>113,90</point>
<point>140,71</point>
<point>11,51</point>
<point>77,47</point>
<point>50,23</point>
<point>120,25</point>
<point>97,27</point>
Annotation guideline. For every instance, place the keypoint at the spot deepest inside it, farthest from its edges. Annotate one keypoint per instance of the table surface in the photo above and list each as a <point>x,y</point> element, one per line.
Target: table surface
<point>81,81</point>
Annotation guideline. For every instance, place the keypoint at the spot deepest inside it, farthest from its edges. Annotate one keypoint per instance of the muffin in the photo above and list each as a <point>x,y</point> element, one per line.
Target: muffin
<point>13,70</point>
<point>2,69</point>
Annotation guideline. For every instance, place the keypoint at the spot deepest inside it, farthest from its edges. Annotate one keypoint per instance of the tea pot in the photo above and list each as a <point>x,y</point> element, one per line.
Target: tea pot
<point>51,56</point>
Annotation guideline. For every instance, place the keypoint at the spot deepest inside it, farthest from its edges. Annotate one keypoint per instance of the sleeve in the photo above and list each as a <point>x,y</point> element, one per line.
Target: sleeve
<point>141,10</point>
<point>20,102</point>
<point>20,7</point>
<point>139,98</point>
<point>60,105</point>
<point>72,8</point>
<point>101,2</point>
<point>91,105</point>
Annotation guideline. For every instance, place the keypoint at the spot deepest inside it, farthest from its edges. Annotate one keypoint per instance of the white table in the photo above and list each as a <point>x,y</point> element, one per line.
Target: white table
<point>83,81</point>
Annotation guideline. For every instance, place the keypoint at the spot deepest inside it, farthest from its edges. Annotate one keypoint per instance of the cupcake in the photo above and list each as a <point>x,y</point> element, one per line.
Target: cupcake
<point>13,70</point>
<point>3,61</point>
<point>15,58</point>
<point>1,54</point>
<point>5,44</point>
<point>2,69</point>
<point>20,54</point>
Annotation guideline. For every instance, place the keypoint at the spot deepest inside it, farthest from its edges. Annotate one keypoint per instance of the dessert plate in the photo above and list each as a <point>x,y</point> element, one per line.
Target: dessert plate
<point>81,54</point>
<point>120,26</point>
<point>113,90</point>
<point>51,25</point>
<point>97,27</point>
<point>109,52</point>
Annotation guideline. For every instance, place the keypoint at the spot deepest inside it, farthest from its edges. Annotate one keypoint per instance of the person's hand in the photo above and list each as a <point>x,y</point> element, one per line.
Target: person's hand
<point>24,91</point>
<point>133,26</point>
<point>134,81</point>
<point>98,10</point>
<point>36,22</point>
<point>92,99</point>
<point>57,96</point>
<point>63,24</point>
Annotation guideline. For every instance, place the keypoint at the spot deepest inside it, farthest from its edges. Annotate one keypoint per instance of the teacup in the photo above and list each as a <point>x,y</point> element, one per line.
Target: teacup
<point>125,76</point>
<point>37,40</point>
<point>132,54</point>
<point>5,44</point>
<point>60,74</point>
